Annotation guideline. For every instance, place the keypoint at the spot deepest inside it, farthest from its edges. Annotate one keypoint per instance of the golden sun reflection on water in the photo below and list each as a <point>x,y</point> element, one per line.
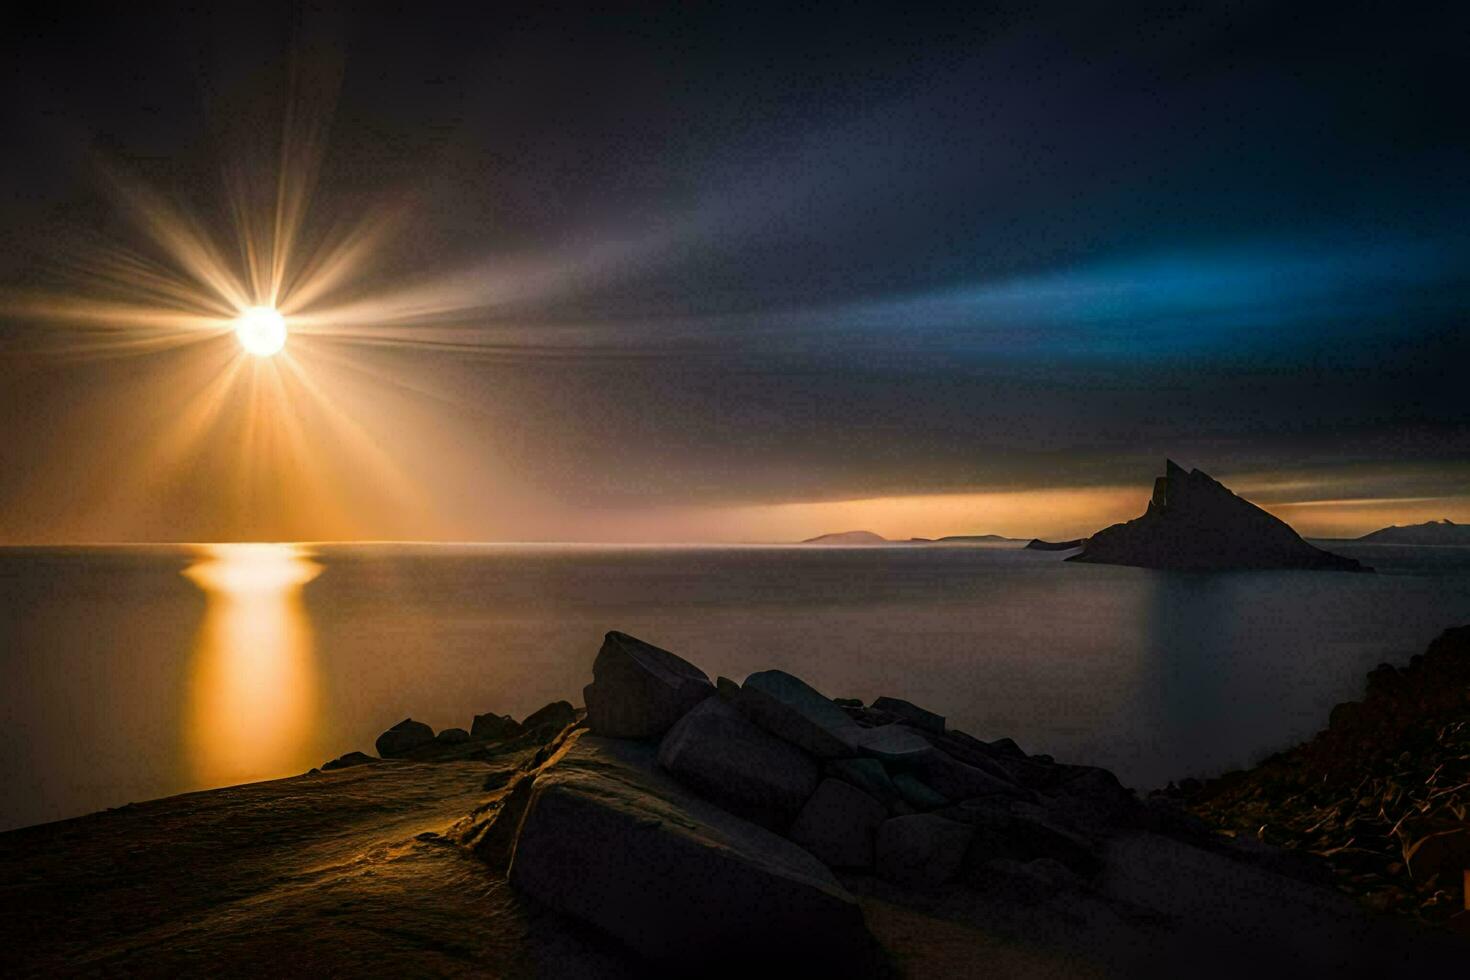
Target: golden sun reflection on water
<point>252,688</point>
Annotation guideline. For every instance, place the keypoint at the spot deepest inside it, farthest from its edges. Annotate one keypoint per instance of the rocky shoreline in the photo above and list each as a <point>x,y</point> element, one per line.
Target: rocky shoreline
<point>1380,796</point>
<point>678,823</point>
<point>675,814</point>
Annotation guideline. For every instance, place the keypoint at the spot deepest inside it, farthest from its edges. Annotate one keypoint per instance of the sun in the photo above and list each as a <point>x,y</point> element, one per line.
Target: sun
<point>262,330</point>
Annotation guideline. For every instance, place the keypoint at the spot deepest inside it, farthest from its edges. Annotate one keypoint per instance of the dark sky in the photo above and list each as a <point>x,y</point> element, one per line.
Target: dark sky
<point>744,258</point>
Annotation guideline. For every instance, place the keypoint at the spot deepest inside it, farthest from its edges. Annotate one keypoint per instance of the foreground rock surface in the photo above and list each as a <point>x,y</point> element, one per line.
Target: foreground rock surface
<point>611,839</point>
<point>1193,523</point>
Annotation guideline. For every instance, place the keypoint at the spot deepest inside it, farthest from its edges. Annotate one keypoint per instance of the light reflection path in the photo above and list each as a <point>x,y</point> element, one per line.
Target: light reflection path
<point>252,709</point>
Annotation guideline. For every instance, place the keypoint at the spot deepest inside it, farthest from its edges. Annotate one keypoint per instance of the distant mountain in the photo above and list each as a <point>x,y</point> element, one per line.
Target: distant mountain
<point>1036,544</point>
<point>848,537</point>
<point>1195,523</point>
<point>1430,532</point>
<point>868,537</point>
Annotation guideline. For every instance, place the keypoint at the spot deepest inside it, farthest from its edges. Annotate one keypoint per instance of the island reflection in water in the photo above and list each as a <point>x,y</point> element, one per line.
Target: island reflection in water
<point>253,677</point>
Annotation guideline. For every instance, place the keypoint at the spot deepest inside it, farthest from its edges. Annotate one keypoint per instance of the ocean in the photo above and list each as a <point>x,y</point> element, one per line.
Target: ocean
<point>134,672</point>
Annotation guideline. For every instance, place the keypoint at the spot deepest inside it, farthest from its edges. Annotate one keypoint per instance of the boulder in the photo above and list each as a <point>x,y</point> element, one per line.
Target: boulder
<point>1091,796</point>
<point>557,715</point>
<point>867,775</point>
<point>912,714</point>
<point>492,726</point>
<point>1006,747</point>
<point>923,849</point>
<point>838,824</point>
<point>1016,830</point>
<point>789,708</point>
<point>916,794</point>
<point>611,840</point>
<point>957,780</point>
<point>452,736</point>
<point>347,761</point>
<point>403,738</point>
<point>720,754</point>
<point>639,690</point>
<point>893,744</point>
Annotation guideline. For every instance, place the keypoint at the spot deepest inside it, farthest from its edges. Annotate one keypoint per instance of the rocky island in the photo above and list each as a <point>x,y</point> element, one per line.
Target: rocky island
<point>1441,532</point>
<point>848,538</point>
<point>1194,523</point>
<point>681,824</point>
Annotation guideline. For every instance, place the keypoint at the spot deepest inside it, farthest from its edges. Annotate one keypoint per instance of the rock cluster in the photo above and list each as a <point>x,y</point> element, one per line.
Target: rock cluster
<point>1194,523</point>
<point>1382,794</point>
<point>489,735</point>
<point>725,821</point>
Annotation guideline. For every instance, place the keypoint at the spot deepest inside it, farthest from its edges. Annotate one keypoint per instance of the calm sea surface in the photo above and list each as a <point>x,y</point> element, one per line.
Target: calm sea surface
<point>136,672</point>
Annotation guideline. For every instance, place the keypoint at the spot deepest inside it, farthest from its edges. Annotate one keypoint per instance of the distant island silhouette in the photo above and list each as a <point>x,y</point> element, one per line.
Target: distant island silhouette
<point>848,537</point>
<point>1443,531</point>
<point>1195,523</point>
<point>869,537</point>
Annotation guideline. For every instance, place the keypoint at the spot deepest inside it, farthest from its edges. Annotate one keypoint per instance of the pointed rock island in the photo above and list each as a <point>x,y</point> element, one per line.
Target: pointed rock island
<point>1194,523</point>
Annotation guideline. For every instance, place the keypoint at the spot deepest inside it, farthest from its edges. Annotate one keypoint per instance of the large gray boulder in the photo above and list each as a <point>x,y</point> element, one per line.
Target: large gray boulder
<point>789,708</point>
<point>639,690</point>
<point>923,849</point>
<point>838,824</point>
<point>720,754</point>
<point>403,738</point>
<point>608,838</point>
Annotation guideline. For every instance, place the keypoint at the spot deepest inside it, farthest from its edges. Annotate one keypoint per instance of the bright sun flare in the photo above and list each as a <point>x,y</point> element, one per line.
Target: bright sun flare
<point>262,330</point>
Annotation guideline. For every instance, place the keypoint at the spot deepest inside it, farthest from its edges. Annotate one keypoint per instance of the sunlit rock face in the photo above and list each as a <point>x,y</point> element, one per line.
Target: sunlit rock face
<point>1195,523</point>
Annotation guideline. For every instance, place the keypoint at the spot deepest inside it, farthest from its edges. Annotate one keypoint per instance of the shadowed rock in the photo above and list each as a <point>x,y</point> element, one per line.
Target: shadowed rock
<point>556,715</point>
<point>639,690</point>
<point>838,824</point>
<point>922,849</point>
<point>1017,830</point>
<point>719,753</point>
<point>791,709</point>
<point>403,738</point>
<point>1193,523</point>
<point>347,761</point>
<point>609,839</point>
<point>452,736</point>
<point>893,744</point>
<point>492,726</point>
<point>916,794</point>
<point>911,713</point>
<point>867,775</point>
